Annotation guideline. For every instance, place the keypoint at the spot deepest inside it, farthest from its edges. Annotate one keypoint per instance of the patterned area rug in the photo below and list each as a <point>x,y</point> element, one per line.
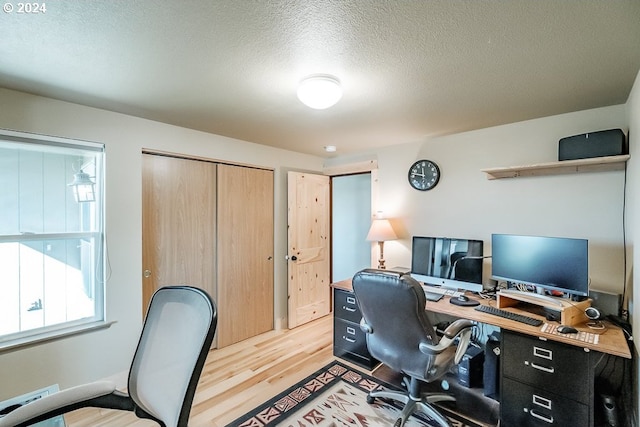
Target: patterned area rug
<point>335,396</point>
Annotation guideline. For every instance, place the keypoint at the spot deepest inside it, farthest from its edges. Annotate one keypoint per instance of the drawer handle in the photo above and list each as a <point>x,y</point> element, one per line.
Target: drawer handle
<point>548,419</point>
<point>351,300</point>
<point>350,330</point>
<point>543,353</point>
<point>350,309</point>
<point>542,402</point>
<point>347,339</point>
<point>550,370</point>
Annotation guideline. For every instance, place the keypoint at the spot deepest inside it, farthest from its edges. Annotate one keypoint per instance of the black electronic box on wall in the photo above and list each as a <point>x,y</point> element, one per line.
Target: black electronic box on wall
<point>610,142</point>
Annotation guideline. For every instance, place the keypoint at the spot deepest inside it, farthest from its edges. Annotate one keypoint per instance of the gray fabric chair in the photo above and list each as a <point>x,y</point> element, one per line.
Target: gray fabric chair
<point>400,335</point>
<point>175,340</point>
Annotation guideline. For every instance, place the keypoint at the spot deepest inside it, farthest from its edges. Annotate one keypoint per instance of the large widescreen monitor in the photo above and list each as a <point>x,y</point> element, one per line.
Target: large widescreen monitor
<point>552,263</point>
<point>448,262</point>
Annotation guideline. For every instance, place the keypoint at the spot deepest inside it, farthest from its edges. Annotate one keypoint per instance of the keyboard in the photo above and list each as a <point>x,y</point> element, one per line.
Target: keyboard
<point>509,315</point>
<point>433,296</point>
<point>442,291</point>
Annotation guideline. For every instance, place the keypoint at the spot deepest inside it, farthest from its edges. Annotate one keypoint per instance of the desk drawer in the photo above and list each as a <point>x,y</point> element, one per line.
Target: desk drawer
<point>547,365</point>
<point>348,335</point>
<point>345,306</point>
<point>525,406</point>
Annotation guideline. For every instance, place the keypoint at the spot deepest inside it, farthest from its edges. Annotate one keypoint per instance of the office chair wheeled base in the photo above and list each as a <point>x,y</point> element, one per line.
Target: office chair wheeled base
<point>412,404</point>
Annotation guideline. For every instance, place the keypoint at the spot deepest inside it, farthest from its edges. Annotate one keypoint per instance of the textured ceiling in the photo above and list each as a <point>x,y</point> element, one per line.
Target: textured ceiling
<point>410,69</point>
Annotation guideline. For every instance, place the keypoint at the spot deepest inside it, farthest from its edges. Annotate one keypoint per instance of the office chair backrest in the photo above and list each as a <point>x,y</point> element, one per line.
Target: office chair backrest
<point>453,260</point>
<point>468,270</point>
<point>393,306</point>
<point>173,346</point>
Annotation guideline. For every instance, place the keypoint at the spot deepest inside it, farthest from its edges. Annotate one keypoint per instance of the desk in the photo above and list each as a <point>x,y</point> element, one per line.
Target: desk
<point>544,377</point>
<point>612,340</point>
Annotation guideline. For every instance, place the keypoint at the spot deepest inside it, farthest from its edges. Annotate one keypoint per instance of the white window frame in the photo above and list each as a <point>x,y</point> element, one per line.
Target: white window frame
<point>97,235</point>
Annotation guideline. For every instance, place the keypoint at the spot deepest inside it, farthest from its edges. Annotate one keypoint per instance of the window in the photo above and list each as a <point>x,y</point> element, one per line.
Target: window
<point>51,245</point>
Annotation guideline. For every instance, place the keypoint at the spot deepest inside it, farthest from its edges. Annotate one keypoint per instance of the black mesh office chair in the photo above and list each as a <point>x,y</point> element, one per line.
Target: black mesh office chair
<point>400,335</point>
<point>166,367</point>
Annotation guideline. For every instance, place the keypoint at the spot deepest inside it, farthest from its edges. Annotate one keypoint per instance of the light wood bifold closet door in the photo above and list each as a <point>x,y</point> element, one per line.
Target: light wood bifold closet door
<point>178,224</point>
<point>211,225</point>
<point>245,252</point>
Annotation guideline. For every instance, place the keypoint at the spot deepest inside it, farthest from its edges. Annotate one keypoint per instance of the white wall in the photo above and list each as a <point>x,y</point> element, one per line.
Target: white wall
<point>100,354</point>
<point>465,204</point>
<point>633,224</point>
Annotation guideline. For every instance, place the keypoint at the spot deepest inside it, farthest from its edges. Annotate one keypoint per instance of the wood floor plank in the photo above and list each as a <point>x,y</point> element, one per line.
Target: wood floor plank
<point>239,377</point>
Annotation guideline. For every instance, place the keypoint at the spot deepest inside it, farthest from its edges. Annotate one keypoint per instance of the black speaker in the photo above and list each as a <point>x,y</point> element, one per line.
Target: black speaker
<point>610,142</point>
<point>593,313</point>
<point>606,302</point>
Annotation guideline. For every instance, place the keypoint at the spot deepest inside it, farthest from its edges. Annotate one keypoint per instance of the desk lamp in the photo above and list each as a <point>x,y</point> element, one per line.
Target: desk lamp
<point>380,232</point>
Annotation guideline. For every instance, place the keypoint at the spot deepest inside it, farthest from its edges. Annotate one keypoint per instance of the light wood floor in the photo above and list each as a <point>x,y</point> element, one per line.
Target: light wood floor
<point>238,378</point>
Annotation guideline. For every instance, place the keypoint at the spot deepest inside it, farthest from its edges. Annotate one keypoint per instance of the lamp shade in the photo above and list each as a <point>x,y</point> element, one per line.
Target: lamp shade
<point>319,92</point>
<point>381,231</point>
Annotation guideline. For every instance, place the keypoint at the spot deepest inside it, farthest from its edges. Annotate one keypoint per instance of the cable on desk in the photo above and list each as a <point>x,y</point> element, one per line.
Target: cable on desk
<point>597,325</point>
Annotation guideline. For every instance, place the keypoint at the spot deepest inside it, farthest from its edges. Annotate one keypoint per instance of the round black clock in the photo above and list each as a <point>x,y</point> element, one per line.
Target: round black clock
<point>424,175</point>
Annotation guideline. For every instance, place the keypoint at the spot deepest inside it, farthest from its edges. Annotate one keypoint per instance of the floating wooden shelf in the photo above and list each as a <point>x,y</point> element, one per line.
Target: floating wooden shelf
<point>595,164</point>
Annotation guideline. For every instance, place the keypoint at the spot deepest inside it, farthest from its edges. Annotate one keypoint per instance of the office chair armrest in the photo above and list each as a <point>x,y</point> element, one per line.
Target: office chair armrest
<point>366,328</point>
<point>454,329</point>
<point>92,394</point>
<point>460,328</point>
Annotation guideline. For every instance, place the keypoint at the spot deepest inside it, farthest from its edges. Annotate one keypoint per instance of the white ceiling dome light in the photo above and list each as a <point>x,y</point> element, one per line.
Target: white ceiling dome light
<point>319,91</point>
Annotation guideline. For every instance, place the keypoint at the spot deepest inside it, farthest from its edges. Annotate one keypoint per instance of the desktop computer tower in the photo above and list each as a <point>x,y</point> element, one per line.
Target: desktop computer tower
<point>470,368</point>
<point>491,371</point>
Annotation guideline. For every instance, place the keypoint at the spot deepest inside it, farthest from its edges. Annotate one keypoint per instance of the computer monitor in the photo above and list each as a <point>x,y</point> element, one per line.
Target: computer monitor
<point>448,262</point>
<point>551,263</point>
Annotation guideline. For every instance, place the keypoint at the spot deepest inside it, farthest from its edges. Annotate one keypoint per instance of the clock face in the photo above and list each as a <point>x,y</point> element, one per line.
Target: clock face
<point>424,175</point>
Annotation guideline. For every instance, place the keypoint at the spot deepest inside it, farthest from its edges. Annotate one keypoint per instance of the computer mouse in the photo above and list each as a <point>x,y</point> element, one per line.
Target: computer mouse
<point>563,329</point>
<point>463,298</point>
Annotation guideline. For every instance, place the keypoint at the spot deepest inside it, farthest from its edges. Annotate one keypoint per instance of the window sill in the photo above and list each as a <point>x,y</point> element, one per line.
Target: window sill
<point>53,335</point>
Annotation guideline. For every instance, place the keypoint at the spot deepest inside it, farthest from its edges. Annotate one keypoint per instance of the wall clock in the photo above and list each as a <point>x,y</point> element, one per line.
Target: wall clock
<point>424,175</point>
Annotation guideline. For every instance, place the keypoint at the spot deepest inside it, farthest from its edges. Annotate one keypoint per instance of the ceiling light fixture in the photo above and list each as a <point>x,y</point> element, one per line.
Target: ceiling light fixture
<point>319,91</point>
<point>330,148</point>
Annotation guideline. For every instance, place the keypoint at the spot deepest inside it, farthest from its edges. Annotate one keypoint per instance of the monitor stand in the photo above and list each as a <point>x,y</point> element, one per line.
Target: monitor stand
<point>571,312</point>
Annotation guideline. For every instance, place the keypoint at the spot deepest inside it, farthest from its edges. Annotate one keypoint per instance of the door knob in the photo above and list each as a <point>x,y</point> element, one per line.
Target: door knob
<point>147,273</point>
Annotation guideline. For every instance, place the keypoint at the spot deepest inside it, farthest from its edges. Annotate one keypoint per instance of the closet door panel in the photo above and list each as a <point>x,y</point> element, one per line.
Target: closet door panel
<point>178,224</point>
<point>245,252</point>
